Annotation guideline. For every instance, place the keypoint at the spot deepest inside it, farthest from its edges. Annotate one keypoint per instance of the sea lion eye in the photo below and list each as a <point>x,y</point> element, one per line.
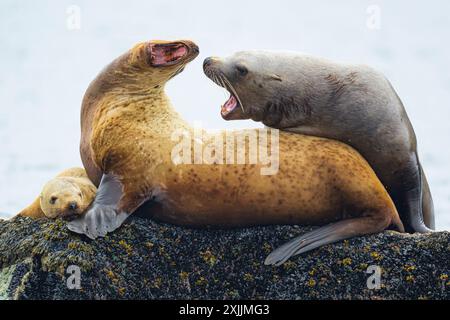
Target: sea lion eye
<point>53,200</point>
<point>241,69</point>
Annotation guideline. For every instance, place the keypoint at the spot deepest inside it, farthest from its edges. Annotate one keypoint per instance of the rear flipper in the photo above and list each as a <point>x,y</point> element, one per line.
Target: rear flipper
<point>329,234</point>
<point>411,196</point>
<point>103,216</point>
<point>427,202</point>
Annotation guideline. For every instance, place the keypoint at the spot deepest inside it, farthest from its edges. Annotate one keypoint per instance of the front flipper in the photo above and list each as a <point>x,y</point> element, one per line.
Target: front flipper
<point>103,215</point>
<point>328,234</point>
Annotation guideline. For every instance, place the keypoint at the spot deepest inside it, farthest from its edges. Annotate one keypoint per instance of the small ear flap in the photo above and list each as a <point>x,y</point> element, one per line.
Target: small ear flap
<point>275,77</point>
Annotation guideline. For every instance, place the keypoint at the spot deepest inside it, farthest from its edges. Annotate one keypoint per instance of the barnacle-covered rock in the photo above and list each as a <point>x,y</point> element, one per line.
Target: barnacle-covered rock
<point>148,260</point>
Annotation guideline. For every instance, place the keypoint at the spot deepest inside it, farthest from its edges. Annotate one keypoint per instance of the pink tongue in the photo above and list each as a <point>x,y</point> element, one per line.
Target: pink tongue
<point>230,104</point>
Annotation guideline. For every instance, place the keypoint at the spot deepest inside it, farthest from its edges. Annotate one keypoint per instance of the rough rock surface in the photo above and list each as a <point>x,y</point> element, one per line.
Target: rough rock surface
<point>148,260</point>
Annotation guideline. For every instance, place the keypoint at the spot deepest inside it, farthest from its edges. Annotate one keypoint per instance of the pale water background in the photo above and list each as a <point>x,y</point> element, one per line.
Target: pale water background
<point>46,65</point>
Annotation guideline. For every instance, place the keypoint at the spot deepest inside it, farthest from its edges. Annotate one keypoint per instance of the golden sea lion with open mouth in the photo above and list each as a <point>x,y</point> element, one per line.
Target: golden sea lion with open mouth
<point>127,146</point>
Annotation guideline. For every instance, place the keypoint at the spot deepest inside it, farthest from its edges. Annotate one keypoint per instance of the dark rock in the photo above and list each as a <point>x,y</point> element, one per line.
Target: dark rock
<point>148,260</point>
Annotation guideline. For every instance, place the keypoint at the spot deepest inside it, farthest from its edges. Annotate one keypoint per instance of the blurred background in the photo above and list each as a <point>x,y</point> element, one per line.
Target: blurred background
<point>51,50</point>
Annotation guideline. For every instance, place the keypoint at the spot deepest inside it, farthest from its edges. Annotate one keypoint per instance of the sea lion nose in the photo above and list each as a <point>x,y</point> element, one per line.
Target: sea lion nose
<point>207,62</point>
<point>73,206</point>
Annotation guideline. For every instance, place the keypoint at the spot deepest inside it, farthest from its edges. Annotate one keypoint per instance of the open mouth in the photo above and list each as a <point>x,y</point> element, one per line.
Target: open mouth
<point>232,108</point>
<point>165,54</point>
<point>229,106</point>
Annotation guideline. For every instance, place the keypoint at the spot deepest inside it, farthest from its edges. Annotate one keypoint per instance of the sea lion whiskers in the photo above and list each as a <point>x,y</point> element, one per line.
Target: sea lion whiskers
<point>230,87</point>
<point>219,78</point>
<point>216,79</point>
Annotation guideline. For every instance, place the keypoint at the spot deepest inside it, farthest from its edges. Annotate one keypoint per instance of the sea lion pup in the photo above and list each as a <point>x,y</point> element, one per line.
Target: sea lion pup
<point>127,142</point>
<point>350,103</point>
<point>66,196</point>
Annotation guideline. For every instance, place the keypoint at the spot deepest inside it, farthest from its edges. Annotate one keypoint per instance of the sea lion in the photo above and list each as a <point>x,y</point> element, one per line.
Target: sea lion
<point>354,104</point>
<point>127,141</point>
<point>66,196</point>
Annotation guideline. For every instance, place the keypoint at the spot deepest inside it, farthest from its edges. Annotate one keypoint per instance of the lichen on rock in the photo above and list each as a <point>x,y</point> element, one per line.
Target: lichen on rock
<point>149,260</point>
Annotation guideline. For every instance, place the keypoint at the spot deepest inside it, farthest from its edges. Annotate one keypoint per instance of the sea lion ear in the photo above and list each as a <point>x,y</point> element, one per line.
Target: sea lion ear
<point>275,77</point>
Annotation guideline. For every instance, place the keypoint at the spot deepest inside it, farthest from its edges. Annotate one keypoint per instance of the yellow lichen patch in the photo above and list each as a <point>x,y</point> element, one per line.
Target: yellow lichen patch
<point>72,245</point>
<point>122,291</point>
<point>111,275</point>
<point>201,281</point>
<point>346,261</point>
<point>128,248</point>
<point>267,247</point>
<point>288,265</point>
<point>409,268</point>
<point>184,275</point>
<point>443,277</point>
<point>312,271</point>
<point>311,283</point>
<point>208,257</point>
<point>233,293</point>
<point>163,253</point>
<point>375,255</point>
<point>54,232</point>
<point>149,245</point>
<point>80,246</point>
<point>409,278</point>
<point>248,277</point>
<point>157,283</point>
<point>362,266</point>
<point>346,243</point>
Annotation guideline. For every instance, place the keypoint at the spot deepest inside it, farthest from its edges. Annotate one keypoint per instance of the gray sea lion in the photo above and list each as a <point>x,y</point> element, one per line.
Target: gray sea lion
<point>351,103</point>
<point>127,142</point>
